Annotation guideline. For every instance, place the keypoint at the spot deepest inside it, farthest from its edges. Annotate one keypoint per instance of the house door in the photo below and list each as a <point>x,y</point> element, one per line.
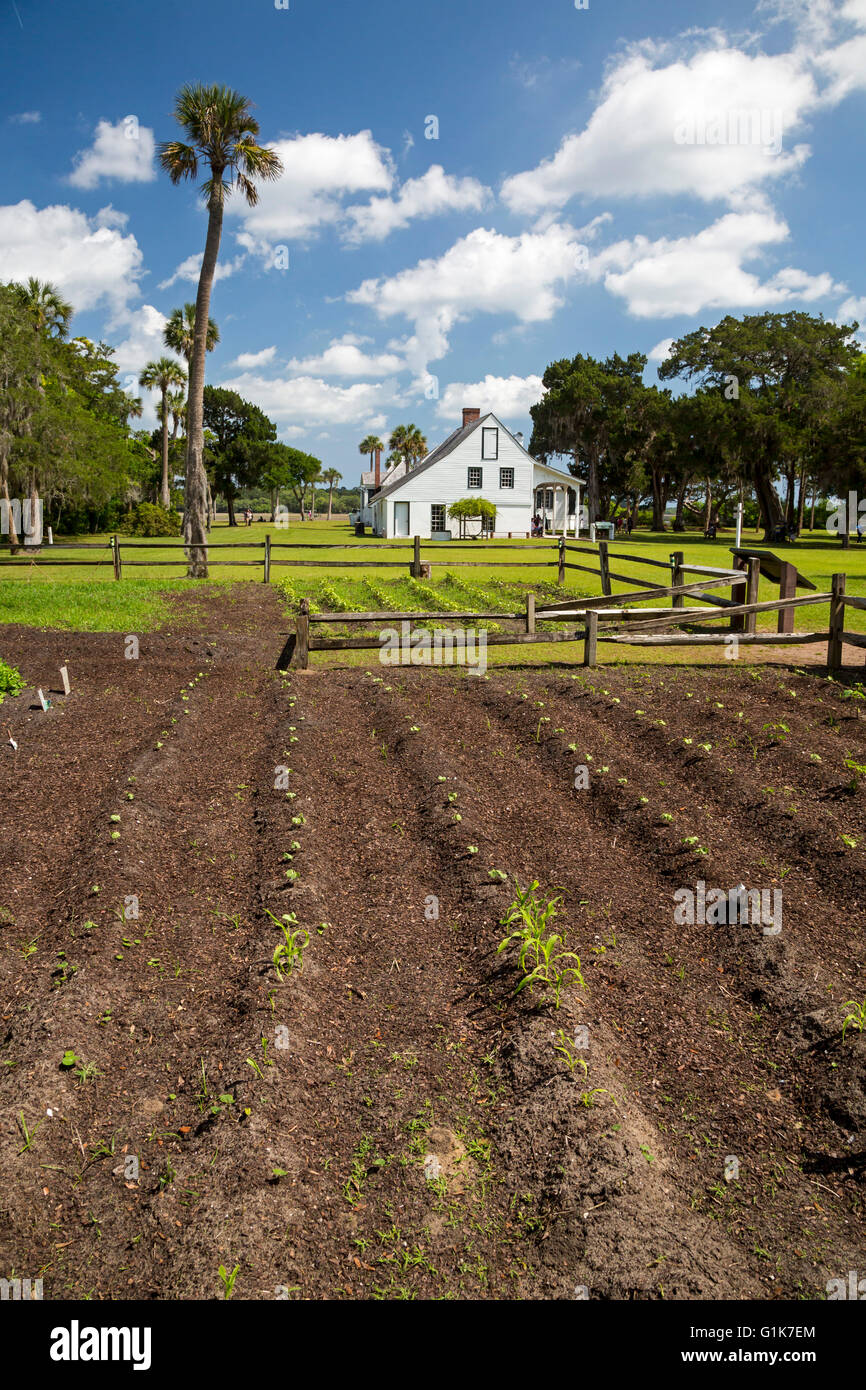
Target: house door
<point>401,518</point>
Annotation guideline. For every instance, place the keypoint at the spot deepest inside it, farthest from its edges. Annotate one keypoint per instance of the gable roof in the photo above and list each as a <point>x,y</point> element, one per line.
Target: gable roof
<point>447,447</point>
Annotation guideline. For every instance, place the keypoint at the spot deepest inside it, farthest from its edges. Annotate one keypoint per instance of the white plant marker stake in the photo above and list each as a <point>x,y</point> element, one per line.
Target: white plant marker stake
<point>64,676</point>
<point>11,739</point>
<point>43,700</point>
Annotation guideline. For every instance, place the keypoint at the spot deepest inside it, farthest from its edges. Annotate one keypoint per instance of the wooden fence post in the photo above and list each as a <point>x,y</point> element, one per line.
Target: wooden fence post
<point>530,612</point>
<point>415,567</point>
<point>267,575</point>
<point>604,564</point>
<point>739,593</point>
<point>787,589</point>
<point>678,578</point>
<point>837,623</point>
<point>590,642</point>
<point>560,578</point>
<point>753,579</point>
<point>116,557</point>
<point>301,657</point>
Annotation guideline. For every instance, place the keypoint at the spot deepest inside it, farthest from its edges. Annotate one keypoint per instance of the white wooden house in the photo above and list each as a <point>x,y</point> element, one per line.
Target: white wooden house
<point>481,458</point>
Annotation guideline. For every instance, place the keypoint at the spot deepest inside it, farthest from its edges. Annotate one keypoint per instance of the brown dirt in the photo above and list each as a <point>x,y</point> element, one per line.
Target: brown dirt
<point>411,1129</point>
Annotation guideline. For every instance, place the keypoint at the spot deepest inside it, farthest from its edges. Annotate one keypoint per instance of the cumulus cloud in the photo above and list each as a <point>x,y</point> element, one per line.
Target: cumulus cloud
<point>123,152</point>
<point>91,263</point>
<point>248,361</point>
<point>304,402</point>
<point>433,193</point>
<point>852,309</point>
<point>643,137</point>
<point>190,270</point>
<point>484,272</point>
<point>683,275</point>
<point>318,172</point>
<point>344,357</point>
<point>26,118</point>
<point>509,397</point>
<point>661,350</point>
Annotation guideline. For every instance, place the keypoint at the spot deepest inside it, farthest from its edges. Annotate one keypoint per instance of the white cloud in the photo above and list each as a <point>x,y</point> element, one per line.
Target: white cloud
<point>660,351</point>
<point>26,118</point>
<point>304,402</point>
<point>635,143</point>
<point>91,264</point>
<point>123,152</point>
<point>190,270</point>
<point>484,272</point>
<point>248,361</point>
<point>509,397</point>
<point>343,357</point>
<point>434,192</point>
<point>318,172</point>
<point>144,329</point>
<point>705,271</point>
<point>852,309</point>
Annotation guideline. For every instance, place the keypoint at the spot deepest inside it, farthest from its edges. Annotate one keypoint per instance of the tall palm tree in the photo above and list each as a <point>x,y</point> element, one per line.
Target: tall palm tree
<point>221,133</point>
<point>370,445</point>
<point>163,375</point>
<point>179,332</point>
<point>331,477</point>
<point>176,404</point>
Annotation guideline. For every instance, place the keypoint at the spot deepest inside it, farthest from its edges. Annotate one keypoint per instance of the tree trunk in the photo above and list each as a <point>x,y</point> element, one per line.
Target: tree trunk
<point>814,492</point>
<point>330,499</point>
<point>230,502</point>
<point>658,500</point>
<point>210,506</point>
<point>801,500</point>
<point>195,491</point>
<point>768,501</point>
<point>30,544</point>
<point>679,524</point>
<point>4,496</point>
<point>708,506</point>
<point>593,499</point>
<point>165,496</point>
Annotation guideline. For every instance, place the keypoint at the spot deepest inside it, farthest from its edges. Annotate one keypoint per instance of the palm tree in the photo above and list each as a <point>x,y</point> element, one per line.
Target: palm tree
<point>49,312</point>
<point>222,133</point>
<point>409,442</point>
<point>176,403</point>
<point>163,375</point>
<point>331,477</point>
<point>179,332</point>
<point>370,445</point>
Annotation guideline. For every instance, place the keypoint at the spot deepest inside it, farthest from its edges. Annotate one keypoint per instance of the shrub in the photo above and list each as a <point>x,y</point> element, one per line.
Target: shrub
<point>147,519</point>
<point>11,681</point>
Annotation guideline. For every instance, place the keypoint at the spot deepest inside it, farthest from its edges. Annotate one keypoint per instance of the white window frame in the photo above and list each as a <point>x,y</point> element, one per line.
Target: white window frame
<point>469,473</point>
<point>506,486</point>
<point>485,454</point>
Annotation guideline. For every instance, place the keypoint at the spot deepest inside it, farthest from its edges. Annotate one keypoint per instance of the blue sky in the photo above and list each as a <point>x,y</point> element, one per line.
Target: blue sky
<point>602,180</point>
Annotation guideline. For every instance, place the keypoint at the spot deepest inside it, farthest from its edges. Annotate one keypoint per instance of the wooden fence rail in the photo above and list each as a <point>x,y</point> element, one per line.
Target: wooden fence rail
<point>295,653</point>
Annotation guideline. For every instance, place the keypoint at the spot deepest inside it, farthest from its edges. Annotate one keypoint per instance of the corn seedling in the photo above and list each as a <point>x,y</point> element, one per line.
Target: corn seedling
<point>856,1018</point>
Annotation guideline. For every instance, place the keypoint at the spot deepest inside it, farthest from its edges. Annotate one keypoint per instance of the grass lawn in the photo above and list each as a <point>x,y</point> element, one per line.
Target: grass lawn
<point>88,598</point>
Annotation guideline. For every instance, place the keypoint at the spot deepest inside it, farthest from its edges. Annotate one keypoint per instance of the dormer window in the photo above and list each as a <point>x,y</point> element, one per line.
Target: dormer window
<point>490,443</point>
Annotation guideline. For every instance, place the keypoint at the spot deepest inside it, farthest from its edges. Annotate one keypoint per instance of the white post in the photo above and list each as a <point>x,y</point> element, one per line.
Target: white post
<point>739,523</point>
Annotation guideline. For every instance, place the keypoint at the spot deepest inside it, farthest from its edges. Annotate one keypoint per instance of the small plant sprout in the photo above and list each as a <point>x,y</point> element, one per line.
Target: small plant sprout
<point>856,1018</point>
<point>497,875</point>
<point>472,849</point>
<point>849,841</point>
<point>778,733</point>
<point>290,951</point>
<point>228,1280</point>
<point>857,770</point>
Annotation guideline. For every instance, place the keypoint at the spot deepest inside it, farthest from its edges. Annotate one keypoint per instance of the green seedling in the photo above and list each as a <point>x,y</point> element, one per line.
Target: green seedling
<point>856,1018</point>
<point>228,1280</point>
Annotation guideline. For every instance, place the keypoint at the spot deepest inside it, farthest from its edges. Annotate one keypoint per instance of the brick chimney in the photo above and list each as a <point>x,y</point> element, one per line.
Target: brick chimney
<point>470,415</point>
<point>378,467</point>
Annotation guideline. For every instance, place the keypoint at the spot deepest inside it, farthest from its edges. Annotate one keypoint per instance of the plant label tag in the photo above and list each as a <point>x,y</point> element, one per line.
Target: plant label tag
<point>42,700</point>
<point>64,676</point>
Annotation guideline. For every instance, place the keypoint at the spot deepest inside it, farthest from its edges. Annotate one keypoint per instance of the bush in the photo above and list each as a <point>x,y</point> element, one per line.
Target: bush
<point>147,519</point>
<point>11,681</point>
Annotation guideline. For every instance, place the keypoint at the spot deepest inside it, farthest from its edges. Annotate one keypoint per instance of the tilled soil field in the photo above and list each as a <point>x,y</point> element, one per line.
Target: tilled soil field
<point>391,1120</point>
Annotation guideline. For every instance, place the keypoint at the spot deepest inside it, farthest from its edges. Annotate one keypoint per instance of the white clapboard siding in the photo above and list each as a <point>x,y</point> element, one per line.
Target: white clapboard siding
<point>447,480</point>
